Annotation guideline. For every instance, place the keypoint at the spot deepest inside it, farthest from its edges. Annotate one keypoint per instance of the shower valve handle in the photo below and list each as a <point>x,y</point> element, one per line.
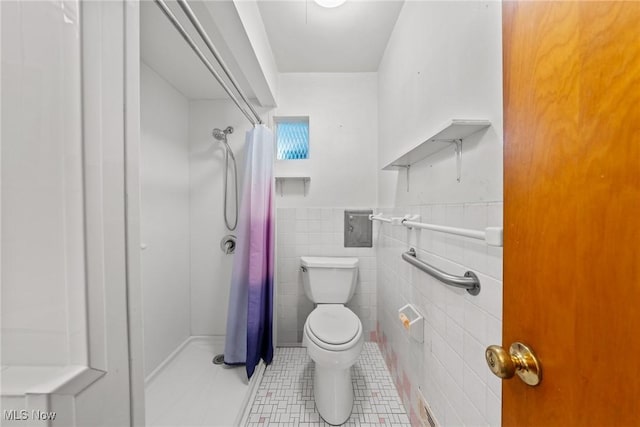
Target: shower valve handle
<point>228,244</point>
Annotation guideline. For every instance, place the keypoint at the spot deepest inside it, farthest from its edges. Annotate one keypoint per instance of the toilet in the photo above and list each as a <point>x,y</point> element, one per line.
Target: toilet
<point>332,333</point>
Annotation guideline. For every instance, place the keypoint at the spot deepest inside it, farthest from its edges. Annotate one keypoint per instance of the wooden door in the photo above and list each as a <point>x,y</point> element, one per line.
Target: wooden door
<point>572,210</point>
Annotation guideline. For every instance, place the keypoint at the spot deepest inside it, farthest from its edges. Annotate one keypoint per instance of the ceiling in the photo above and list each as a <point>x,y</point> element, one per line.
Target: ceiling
<point>306,37</point>
<point>165,51</point>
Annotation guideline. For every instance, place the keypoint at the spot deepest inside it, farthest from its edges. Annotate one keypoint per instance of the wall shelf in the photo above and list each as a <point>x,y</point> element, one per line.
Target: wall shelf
<point>280,180</point>
<point>452,132</point>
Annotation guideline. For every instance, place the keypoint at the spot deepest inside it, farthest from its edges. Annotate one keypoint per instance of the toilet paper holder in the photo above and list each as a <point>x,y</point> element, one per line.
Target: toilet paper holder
<point>412,321</point>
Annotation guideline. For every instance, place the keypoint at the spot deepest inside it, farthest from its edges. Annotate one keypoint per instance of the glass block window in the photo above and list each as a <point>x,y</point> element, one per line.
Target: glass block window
<point>292,138</point>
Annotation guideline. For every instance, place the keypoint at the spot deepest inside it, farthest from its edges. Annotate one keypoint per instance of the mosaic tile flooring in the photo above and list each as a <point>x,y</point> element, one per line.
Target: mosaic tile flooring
<point>285,395</point>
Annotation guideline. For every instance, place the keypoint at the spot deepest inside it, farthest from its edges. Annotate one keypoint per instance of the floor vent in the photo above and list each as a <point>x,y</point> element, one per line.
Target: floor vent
<point>426,417</point>
<point>218,359</point>
<point>430,420</point>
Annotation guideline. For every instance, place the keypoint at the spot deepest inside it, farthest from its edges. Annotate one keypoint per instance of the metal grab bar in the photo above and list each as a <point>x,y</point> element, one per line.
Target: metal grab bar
<point>469,281</point>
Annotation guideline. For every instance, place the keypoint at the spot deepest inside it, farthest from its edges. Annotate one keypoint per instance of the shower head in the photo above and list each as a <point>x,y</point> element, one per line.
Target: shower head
<point>221,135</point>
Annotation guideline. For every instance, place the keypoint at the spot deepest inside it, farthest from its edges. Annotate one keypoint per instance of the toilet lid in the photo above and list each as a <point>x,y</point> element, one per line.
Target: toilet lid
<point>334,324</point>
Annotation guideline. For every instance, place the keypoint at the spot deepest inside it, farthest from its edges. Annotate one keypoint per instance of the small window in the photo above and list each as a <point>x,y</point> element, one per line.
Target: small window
<point>292,138</point>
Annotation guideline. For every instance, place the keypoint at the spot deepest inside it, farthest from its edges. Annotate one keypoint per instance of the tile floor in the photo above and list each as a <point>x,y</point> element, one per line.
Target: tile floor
<point>285,395</point>
<point>192,391</point>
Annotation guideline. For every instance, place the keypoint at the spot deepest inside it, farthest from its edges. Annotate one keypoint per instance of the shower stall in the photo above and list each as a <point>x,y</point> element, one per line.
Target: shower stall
<point>192,157</point>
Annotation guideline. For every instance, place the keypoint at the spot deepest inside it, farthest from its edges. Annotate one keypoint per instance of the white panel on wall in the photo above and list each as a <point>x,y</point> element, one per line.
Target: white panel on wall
<point>443,62</point>
<point>164,180</point>
<point>43,312</point>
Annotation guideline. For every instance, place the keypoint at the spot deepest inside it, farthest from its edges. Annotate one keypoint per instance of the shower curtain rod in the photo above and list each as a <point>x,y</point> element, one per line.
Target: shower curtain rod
<point>254,118</point>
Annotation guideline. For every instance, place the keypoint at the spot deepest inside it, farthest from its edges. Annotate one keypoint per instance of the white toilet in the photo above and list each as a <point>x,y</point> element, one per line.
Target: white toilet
<point>332,333</point>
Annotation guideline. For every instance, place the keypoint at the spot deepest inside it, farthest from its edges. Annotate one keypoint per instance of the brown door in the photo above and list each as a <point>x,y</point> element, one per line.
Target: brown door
<point>572,210</point>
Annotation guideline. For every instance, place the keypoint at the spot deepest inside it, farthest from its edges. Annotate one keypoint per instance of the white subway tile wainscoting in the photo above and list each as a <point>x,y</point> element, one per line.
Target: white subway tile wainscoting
<point>449,366</point>
<point>285,395</point>
<point>317,232</point>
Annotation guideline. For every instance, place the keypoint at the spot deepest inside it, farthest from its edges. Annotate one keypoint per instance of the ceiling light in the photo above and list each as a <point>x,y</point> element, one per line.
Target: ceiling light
<point>330,3</point>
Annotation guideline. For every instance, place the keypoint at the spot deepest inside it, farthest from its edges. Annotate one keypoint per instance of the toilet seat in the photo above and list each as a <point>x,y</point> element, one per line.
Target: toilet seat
<point>333,327</point>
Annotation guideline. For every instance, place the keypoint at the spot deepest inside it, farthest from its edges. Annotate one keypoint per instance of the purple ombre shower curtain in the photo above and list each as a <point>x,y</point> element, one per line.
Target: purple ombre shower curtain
<point>250,318</point>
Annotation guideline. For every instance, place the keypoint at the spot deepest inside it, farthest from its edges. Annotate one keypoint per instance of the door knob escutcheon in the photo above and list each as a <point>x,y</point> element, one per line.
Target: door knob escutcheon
<point>519,360</point>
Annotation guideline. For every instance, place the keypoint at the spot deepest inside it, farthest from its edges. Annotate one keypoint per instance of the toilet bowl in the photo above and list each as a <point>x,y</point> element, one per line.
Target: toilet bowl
<point>333,337</point>
<point>332,333</point>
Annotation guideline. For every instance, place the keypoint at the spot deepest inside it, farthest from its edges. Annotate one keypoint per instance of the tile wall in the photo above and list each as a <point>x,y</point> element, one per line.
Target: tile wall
<point>449,366</point>
<point>317,232</point>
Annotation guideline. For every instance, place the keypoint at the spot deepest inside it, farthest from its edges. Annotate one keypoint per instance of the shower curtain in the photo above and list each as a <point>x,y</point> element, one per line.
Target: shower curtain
<point>250,318</point>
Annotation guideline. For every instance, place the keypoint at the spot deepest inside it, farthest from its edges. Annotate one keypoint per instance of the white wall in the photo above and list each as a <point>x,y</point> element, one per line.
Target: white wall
<point>343,138</point>
<point>42,206</point>
<point>443,61</point>
<point>267,70</point>
<point>164,180</point>
<point>64,210</point>
<point>135,311</point>
<point>210,267</point>
<point>342,166</point>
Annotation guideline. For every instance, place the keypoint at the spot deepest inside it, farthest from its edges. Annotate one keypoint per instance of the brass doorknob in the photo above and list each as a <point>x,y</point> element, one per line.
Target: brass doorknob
<point>520,360</point>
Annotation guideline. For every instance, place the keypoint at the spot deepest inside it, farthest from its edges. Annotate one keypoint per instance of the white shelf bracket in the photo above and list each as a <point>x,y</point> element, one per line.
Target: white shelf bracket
<point>458,143</point>
<point>407,170</point>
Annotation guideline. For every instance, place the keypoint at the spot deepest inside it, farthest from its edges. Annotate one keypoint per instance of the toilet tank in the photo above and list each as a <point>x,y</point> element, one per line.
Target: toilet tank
<point>329,280</point>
